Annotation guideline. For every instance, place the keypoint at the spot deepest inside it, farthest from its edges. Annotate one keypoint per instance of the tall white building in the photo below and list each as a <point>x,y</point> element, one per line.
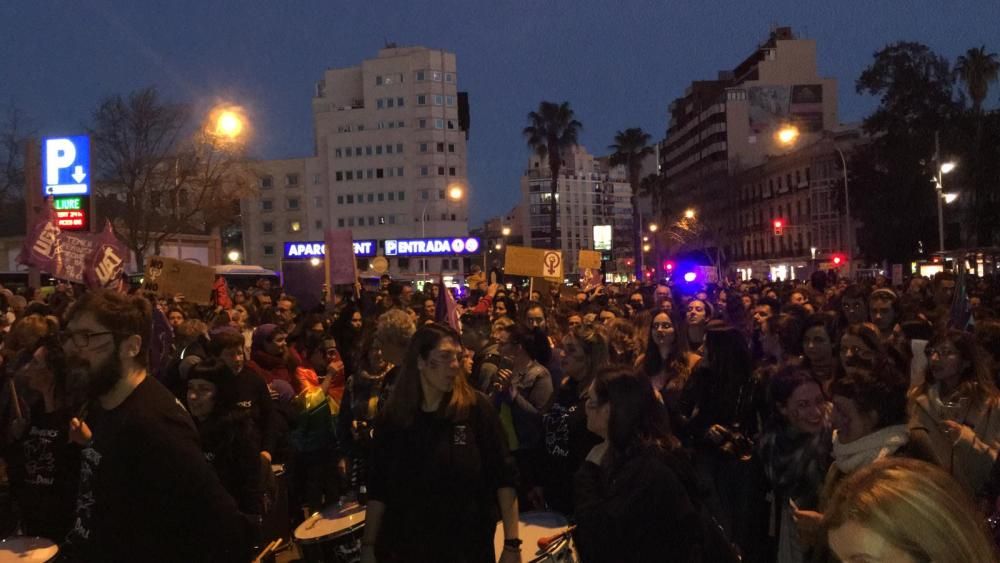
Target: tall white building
<point>390,144</point>
<point>590,192</point>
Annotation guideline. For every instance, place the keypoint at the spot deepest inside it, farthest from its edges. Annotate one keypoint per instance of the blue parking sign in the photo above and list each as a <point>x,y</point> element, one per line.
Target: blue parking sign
<point>66,166</point>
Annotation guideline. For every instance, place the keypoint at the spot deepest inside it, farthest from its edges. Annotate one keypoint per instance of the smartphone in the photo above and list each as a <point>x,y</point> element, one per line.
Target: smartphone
<point>506,362</point>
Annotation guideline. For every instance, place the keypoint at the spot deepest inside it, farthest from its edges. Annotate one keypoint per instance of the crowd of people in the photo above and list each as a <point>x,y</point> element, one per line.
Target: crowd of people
<point>787,421</point>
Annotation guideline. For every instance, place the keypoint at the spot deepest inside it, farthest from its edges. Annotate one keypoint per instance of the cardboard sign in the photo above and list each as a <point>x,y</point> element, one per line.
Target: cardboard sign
<point>897,275</point>
<point>533,262</point>
<point>342,267</point>
<point>170,276</point>
<point>589,260</point>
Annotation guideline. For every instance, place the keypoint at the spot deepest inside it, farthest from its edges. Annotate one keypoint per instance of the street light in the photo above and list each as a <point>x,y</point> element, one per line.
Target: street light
<point>646,248</point>
<point>227,122</point>
<point>505,231</point>
<point>689,213</point>
<point>653,227</point>
<point>787,136</point>
<point>234,256</point>
<point>949,197</point>
<point>947,167</point>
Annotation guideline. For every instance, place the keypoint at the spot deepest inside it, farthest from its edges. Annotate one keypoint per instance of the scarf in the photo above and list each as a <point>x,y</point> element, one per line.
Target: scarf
<point>795,463</point>
<point>869,449</point>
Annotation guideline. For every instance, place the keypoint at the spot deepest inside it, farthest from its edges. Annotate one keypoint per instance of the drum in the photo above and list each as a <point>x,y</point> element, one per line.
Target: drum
<point>26,549</point>
<point>535,526</point>
<point>332,535</point>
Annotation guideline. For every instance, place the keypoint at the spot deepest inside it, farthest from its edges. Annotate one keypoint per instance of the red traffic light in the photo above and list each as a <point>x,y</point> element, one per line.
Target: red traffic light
<point>779,226</point>
<point>668,266</point>
<point>838,259</point>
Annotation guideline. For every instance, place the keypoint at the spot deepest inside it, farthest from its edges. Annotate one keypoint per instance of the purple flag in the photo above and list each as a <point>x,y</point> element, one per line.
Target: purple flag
<point>42,243</point>
<point>106,262</point>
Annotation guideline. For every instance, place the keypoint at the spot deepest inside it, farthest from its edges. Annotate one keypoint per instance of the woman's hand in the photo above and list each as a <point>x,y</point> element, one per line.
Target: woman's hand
<point>809,524</point>
<point>716,434</point>
<point>952,430</point>
<point>79,432</point>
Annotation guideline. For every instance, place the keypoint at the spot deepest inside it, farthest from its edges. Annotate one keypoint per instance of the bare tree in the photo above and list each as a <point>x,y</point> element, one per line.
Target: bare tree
<point>160,171</point>
<point>14,131</point>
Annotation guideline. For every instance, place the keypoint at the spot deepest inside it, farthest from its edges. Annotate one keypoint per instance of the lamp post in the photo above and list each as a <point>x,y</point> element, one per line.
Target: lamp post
<point>942,198</point>
<point>787,136</point>
<point>454,193</point>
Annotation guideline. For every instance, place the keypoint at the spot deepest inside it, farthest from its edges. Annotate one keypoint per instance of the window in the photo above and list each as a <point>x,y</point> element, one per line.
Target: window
<point>368,150</point>
<point>399,171</point>
<point>440,147</point>
<point>360,198</point>
<point>357,151</point>
<point>340,200</point>
<point>439,124</point>
<point>268,250</point>
<point>423,171</point>
<point>379,104</point>
<point>371,198</point>
<point>378,149</point>
<point>421,99</point>
<point>424,194</point>
<point>441,172</point>
<point>402,196</point>
<point>340,222</point>
<point>267,227</point>
<point>378,172</point>
<point>449,77</point>
<point>422,123</point>
<point>350,198</point>
<point>400,124</point>
<point>449,101</point>
<point>294,226</point>
<point>451,170</point>
<point>350,221</point>
<point>293,203</point>
<point>388,172</point>
<point>440,194</point>
<point>337,153</point>
<point>347,151</point>
<point>423,147</point>
<point>339,176</point>
<point>392,219</point>
<point>451,147</point>
<point>381,196</point>
<point>390,102</point>
<point>438,99</point>
<point>349,175</point>
<point>378,80</point>
<point>399,148</point>
<point>399,102</point>
<point>451,124</point>
<point>370,173</point>
<point>371,221</point>
<point>436,76</point>
<point>318,201</point>
<point>392,196</point>
<point>359,174</point>
<point>317,178</point>
<point>420,76</point>
<point>266,182</point>
<point>388,149</point>
<point>266,205</point>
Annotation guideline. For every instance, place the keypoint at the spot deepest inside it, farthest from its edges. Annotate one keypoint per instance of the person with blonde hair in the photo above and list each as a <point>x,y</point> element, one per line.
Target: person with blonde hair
<point>905,511</point>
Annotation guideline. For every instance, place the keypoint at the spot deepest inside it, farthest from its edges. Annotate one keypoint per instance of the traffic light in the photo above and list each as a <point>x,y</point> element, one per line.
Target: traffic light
<point>668,266</point>
<point>838,260</point>
<point>779,227</point>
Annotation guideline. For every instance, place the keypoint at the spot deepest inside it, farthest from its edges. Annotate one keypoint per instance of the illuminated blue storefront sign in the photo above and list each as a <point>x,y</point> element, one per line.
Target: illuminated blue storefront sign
<point>432,246</point>
<point>317,249</point>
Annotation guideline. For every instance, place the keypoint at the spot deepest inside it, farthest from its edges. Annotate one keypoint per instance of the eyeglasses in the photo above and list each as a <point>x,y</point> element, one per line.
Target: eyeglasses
<point>81,339</point>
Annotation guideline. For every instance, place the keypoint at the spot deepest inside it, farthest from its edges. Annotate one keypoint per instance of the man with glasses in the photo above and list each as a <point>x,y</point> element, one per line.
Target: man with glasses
<point>146,492</point>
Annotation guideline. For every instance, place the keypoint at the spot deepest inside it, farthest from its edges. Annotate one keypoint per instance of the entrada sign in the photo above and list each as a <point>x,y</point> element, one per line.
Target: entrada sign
<point>317,249</point>
<point>431,246</point>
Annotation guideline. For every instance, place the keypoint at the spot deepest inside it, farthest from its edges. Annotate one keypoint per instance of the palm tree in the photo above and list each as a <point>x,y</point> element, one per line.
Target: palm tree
<point>631,146</point>
<point>977,69</point>
<point>552,129</point>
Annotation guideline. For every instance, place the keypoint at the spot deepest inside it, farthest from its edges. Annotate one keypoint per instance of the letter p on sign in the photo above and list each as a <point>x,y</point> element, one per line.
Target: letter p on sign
<point>59,154</point>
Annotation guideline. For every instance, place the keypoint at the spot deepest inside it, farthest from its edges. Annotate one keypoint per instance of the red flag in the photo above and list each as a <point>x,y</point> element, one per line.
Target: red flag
<point>221,290</point>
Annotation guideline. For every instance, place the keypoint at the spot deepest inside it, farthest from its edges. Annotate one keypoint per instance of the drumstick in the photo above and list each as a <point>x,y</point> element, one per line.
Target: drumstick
<point>17,402</point>
<point>544,543</point>
<point>311,521</point>
<point>267,550</point>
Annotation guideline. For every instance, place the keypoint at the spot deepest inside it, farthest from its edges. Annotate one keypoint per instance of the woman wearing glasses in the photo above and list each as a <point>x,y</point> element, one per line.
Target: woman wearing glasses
<point>959,405</point>
<point>440,465</point>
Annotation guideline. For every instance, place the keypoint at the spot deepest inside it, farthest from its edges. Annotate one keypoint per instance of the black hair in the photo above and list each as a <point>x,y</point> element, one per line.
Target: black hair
<point>882,390</point>
<point>534,341</point>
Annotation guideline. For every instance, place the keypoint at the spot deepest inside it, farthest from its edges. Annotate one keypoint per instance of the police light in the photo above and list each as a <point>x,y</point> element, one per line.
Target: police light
<point>690,277</point>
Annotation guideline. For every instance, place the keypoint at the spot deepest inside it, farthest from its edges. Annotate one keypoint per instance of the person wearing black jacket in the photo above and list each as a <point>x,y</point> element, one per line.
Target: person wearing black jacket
<point>440,466</point>
<point>146,492</point>
<point>635,493</point>
<point>228,437</point>
<point>252,394</point>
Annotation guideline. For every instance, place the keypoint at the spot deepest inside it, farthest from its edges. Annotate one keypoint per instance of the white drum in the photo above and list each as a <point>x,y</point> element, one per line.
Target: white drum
<point>26,549</point>
<point>332,535</point>
<point>535,526</point>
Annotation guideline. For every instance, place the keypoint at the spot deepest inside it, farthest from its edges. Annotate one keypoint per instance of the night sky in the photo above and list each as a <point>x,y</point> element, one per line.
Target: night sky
<point>619,63</point>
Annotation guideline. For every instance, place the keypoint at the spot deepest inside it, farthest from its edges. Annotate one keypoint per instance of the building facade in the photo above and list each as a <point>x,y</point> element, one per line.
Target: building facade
<point>720,128</point>
<point>389,163</point>
<point>590,192</point>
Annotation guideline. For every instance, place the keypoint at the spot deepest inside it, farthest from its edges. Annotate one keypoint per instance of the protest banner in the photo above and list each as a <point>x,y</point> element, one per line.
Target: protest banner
<point>79,257</point>
<point>533,262</point>
<point>341,266</point>
<point>170,276</point>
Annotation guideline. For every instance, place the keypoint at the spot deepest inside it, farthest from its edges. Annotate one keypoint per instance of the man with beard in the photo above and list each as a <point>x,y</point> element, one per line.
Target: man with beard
<point>146,492</point>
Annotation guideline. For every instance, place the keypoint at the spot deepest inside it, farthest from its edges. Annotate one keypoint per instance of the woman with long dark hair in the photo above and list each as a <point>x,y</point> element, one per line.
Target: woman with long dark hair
<point>667,361</point>
<point>440,465</point>
<point>567,440</point>
<point>633,500</point>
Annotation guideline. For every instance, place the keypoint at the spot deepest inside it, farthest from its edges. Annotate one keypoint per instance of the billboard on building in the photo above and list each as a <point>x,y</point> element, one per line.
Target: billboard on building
<point>602,237</point>
<point>773,106</point>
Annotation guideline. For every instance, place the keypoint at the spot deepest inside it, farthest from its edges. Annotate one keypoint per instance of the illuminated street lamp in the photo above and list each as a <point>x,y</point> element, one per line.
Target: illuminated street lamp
<point>653,227</point>
<point>787,135</point>
<point>234,256</point>
<point>689,213</point>
<point>949,197</point>
<point>646,248</point>
<point>227,122</point>
<point>315,261</point>
<point>455,192</point>
<point>947,167</point>
<point>505,231</point>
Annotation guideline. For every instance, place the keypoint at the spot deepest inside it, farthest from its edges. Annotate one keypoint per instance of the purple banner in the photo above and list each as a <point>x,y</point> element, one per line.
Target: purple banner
<point>97,260</point>
<point>340,261</point>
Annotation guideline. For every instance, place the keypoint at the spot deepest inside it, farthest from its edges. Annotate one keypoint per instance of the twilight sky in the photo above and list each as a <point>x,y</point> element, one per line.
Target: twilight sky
<point>619,63</point>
